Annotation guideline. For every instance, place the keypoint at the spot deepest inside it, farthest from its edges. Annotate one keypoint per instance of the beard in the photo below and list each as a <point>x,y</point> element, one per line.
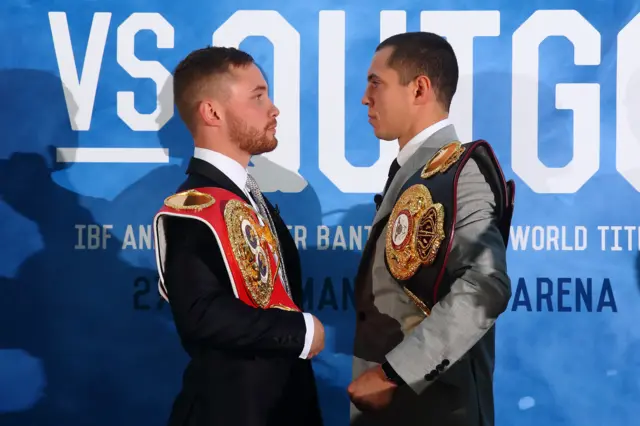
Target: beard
<point>251,139</point>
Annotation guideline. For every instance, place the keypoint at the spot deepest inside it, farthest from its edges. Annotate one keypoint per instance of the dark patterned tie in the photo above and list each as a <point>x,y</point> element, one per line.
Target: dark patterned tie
<point>254,190</point>
<point>393,169</point>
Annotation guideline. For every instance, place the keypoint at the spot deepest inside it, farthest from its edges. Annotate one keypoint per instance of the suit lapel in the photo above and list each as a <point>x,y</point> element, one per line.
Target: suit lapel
<point>415,162</point>
<point>212,173</point>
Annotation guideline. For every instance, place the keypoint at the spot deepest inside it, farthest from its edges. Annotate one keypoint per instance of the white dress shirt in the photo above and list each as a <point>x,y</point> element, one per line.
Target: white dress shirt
<point>412,146</point>
<point>238,175</point>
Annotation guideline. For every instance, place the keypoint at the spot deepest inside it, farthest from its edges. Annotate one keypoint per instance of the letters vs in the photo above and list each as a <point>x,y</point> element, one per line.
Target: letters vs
<point>459,27</point>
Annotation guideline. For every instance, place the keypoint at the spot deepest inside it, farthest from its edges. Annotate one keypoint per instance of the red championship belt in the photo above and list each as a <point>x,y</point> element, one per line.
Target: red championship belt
<point>245,241</point>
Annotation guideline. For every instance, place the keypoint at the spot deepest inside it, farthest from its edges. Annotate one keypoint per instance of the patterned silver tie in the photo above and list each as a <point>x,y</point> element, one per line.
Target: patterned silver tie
<point>254,190</point>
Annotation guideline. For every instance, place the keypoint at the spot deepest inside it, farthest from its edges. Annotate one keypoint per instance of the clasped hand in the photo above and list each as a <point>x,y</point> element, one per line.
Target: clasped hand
<point>371,390</point>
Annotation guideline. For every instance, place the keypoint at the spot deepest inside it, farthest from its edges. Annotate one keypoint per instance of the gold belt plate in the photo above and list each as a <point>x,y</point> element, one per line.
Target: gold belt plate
<point>443,159</point>
<point>414,233</point>
<point>252,245</point>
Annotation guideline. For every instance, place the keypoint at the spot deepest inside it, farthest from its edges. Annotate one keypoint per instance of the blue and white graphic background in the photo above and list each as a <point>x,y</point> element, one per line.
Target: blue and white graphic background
<point>84,339</point>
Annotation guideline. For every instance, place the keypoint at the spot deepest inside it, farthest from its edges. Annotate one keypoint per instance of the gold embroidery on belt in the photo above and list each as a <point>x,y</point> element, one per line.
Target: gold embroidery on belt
<point>252,246</point>
<point>443,159</point>
<point>414,233</point>
<point>285,308</point>
<point>419,303</point>
<point>189,200</point>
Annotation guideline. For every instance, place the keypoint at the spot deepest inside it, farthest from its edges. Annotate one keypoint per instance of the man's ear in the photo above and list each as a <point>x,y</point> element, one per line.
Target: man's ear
<point>210,112</point>
<point>422,90</point>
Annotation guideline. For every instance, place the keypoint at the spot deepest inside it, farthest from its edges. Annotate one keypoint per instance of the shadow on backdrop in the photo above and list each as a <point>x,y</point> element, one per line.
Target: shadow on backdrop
<point>540,358</point>
<point>76,352</point>
<point>91,342</point>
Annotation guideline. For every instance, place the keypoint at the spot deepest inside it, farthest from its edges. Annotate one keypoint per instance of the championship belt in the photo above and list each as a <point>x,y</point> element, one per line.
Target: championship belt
<point>244,238</point>
<point>421,225</point>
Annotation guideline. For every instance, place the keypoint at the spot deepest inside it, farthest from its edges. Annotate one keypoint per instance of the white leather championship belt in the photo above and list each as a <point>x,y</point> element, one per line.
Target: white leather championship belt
<point>246,243</point>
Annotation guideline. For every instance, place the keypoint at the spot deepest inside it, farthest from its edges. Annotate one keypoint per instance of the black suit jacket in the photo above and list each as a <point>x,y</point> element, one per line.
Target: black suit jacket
<point>245,368</point>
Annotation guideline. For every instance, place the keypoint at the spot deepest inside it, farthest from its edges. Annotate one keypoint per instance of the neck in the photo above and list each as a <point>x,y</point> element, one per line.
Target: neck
<point>226,148</point>
<point>419,125</point>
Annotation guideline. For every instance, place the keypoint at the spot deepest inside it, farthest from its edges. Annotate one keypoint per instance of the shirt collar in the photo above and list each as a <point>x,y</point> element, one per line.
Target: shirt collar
<point>231,168</point>
<point>415,142</point>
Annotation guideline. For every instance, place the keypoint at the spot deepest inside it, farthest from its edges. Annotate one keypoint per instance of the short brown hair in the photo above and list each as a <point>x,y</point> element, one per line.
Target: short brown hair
<point>197,69</point>
<point>423,53</point>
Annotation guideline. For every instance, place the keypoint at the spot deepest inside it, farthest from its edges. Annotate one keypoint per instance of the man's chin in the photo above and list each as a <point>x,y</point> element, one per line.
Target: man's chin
<point>266,147</point>
<point>384,137</point>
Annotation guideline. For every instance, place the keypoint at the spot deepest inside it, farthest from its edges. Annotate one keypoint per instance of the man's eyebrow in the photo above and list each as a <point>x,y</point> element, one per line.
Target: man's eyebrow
<point>259,88</point>
<point>372,76</point>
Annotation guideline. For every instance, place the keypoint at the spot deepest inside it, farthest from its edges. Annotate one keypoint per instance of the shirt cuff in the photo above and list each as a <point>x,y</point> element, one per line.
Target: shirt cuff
<point>308,337</point>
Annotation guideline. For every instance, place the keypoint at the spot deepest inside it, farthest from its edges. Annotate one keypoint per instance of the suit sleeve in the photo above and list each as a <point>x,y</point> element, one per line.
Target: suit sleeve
<point>479,294</point>
<point>206,311</point>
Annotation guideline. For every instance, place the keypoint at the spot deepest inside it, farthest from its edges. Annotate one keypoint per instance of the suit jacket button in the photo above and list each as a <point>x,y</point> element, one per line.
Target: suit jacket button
<point>440,367</point>
<point>445,362</point>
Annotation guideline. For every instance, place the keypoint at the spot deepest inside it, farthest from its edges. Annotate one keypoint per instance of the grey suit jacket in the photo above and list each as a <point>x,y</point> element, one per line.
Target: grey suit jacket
<point>456,342</point>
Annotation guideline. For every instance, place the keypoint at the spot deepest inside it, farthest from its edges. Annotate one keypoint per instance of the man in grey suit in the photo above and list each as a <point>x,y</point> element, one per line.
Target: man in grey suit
<point>433,275</point>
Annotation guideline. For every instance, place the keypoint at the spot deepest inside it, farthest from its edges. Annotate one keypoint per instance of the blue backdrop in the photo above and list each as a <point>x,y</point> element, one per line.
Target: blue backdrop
<point>90,146</point>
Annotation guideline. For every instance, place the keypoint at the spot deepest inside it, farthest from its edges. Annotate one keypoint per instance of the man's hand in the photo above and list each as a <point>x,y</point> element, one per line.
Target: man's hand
<point>317,345</point>
<point>372,390</point>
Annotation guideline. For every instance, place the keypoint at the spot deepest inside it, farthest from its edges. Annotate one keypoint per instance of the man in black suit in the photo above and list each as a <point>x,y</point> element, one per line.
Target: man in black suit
<point>249,366</point>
